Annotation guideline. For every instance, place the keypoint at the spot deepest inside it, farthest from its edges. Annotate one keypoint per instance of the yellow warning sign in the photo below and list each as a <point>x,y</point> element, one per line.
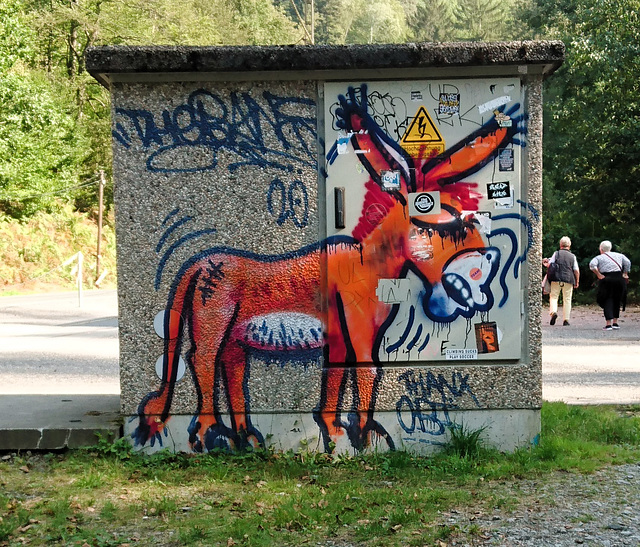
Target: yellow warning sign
<point>422,137</point>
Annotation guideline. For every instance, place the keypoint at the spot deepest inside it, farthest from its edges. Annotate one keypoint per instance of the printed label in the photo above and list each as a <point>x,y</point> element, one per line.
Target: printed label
<point>461,354</point>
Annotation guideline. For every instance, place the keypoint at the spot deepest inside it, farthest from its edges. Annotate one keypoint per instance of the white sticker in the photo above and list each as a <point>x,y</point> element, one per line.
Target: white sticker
<point>504,203</point>
<point>482,219</point>
<point>341,145</point>
<point>461,354</point>
<point>424,203</point>
<point>158,323</point>
<point>390,180</point>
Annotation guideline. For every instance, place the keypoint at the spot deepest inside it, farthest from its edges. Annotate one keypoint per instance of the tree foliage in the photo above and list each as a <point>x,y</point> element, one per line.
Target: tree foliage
<point>592,120</point>
<point>434,21</point>
<point>55,122</point>
<point>482,20</point>
<point>55,130</point>
<point>41,147</point>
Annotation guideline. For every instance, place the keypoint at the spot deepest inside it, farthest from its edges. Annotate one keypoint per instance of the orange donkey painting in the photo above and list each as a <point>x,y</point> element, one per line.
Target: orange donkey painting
<point>326,300</point>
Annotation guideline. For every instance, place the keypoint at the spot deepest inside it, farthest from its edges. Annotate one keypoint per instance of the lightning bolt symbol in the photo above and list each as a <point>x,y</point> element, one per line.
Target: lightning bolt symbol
<point>422,126</point>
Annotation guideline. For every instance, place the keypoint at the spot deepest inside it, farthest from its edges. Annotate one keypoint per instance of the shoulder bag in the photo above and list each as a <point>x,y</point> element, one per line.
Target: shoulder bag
<point>552,270</point>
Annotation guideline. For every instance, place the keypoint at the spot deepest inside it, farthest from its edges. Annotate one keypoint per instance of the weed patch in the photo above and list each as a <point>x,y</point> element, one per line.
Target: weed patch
<point>32,253</point>
<point>111,495</point>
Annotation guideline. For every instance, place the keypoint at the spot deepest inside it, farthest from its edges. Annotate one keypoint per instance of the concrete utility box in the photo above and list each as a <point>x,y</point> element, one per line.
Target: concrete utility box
<point>328,247</point>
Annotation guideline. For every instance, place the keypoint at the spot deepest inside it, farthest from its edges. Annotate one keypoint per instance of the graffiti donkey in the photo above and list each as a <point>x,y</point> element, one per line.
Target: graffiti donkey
<point>226,303</point>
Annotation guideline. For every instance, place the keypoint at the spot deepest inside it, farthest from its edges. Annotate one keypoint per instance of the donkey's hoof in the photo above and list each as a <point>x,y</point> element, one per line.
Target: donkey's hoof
<point>250,439</point>
<point>218,437</point>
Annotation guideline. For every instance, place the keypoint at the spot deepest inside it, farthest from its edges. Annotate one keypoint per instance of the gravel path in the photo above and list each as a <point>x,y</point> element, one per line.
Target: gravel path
<point>583,365</point>
<point>563,510</point>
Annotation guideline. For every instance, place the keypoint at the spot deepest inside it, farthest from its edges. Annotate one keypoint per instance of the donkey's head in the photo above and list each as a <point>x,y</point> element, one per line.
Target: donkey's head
<point>444,247</point>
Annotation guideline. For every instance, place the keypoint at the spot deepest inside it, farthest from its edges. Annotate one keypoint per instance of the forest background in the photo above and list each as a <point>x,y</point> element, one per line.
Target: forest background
<point>55,121</point>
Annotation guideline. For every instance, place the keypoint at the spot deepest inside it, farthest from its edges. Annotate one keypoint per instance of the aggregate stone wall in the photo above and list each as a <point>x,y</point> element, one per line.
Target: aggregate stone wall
<point>279,283</point>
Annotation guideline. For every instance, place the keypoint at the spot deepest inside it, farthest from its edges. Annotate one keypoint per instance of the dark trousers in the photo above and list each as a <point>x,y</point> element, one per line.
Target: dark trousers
<point>611,294</point>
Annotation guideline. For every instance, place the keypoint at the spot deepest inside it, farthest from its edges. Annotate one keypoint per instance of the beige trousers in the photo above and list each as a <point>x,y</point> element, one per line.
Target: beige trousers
<point>567,293</point>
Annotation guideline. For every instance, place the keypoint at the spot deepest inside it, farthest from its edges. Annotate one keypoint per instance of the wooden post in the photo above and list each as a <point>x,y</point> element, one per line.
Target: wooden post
<point>313,23</point>
<point>100,200</point>
<point>79,280</point>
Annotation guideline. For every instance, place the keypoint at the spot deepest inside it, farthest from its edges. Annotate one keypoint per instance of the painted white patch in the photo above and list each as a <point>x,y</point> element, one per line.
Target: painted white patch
<point>283,331</point>
<point>495,103</point>
<point>289,320</point>
<point>182,367</point>
<point>393,291</point>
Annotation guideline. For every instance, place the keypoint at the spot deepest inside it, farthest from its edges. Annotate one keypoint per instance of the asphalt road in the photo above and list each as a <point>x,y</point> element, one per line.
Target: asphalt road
<point>52,345</point>
<point>582,364</point>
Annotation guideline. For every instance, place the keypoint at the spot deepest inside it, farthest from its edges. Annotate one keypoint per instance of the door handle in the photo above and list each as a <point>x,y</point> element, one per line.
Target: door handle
<point>339,206</point>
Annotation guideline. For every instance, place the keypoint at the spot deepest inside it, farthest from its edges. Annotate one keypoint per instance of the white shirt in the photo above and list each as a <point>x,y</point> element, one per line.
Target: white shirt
<point>606,262</point>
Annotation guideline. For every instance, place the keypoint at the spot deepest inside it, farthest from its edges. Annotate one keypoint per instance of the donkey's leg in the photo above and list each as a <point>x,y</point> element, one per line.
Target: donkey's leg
<point>235,375</point>
<point>366,384</point>
<point>153,411</point>
<point>334,375</point>
<point>207,416</point>
<point>328,413</point>
<point>210,332</point>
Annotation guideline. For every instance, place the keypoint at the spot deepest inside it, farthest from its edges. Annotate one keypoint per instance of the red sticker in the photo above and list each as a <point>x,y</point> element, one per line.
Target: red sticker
<point>375,213</point>
<point>475,274</point>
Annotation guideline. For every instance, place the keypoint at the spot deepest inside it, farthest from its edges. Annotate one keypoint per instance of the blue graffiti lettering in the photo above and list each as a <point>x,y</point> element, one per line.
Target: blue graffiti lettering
<point>427,395</point>
<point>412,417</point>
<point>270,133</point>
<point>288,204</point>
<point>513,257</point>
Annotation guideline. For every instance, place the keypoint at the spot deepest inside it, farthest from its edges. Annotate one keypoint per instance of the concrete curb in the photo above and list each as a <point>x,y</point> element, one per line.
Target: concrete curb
<point>57,422</point>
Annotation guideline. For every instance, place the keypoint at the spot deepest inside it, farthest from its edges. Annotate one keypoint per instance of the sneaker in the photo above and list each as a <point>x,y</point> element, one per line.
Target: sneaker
<point>565,323</point>
<point>615,326</point>
<point>607,327</point>
<point>554,316</point>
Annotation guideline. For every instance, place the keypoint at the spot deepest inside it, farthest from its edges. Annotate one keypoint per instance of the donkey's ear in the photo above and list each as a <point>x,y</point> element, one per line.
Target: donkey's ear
<point>378,153</point>
<point>375,149</point>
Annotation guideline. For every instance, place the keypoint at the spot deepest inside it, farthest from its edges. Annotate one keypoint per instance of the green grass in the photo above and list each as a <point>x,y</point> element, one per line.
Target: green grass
<point>109,495</point>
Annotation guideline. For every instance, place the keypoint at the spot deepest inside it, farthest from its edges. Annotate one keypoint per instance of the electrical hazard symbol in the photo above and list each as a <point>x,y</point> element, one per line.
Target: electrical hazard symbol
<point>422,138</point>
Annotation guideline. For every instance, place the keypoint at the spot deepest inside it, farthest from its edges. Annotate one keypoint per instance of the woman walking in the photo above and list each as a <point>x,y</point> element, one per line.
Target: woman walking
<point>611,269</point>
<point>566,278</point>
